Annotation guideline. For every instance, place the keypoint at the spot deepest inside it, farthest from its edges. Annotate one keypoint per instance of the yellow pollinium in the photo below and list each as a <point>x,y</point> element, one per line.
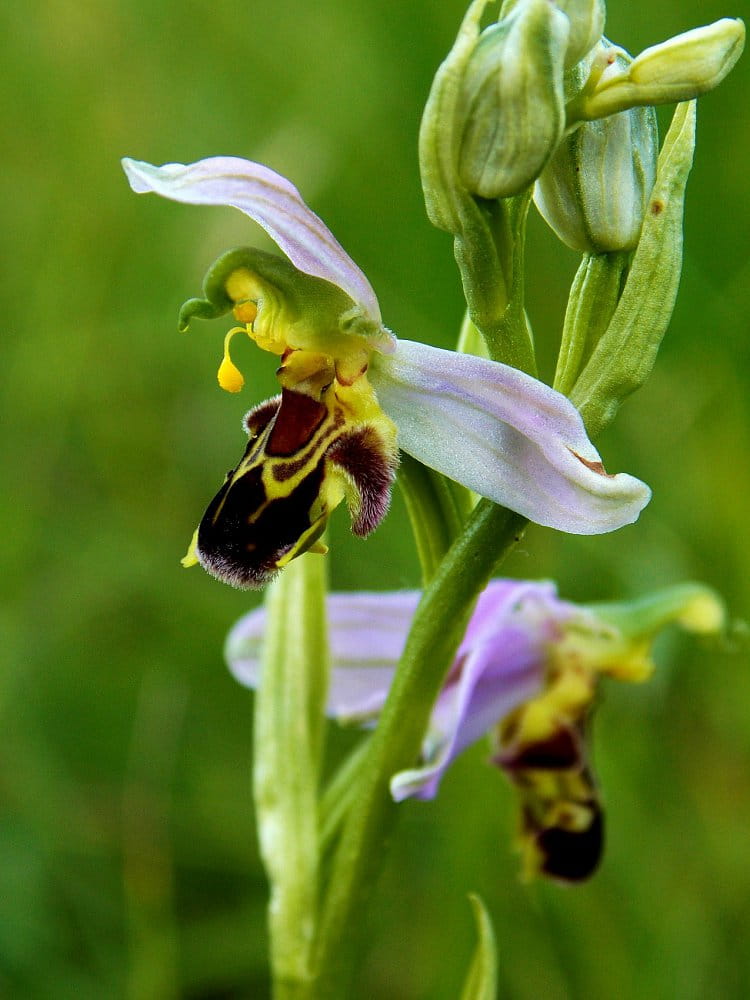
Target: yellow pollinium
<point>229,376</point>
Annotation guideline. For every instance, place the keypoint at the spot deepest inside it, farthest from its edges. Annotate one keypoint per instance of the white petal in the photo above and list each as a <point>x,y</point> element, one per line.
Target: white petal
<point>272,201</point>
<point>505,435</point>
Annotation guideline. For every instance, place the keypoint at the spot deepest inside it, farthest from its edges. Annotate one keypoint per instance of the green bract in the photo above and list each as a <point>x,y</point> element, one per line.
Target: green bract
<point>625,355</point>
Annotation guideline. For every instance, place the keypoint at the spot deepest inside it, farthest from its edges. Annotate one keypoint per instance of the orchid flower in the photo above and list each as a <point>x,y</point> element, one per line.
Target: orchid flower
<point>352,395</point>
<point>526,672</point>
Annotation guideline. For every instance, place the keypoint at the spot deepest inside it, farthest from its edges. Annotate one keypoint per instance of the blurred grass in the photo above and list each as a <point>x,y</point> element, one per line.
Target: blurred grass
<point>128,865</point>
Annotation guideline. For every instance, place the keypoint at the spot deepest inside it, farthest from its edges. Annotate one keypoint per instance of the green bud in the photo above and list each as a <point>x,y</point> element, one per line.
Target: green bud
<point>677,70</point>
<point>586,26</point>
<point>512,104</point>
<point>594,191</point>
<point>691,63</point>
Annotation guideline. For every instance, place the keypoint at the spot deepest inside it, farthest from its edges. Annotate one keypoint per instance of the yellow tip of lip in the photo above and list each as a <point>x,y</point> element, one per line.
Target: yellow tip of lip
<point>704,614</point>
<point>191,556</point>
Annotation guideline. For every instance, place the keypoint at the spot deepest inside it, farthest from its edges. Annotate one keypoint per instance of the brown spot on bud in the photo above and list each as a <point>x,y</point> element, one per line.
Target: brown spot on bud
<point>657,206</point>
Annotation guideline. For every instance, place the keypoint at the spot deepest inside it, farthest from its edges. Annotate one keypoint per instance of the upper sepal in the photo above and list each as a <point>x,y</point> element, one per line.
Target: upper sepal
<point>275,204</point>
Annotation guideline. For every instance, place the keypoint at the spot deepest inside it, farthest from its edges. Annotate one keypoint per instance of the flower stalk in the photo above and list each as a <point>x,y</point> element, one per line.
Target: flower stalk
<point>592,301</point>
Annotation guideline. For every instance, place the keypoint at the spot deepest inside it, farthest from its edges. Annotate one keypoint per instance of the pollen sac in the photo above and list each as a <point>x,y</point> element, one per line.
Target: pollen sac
<point>316,444</point>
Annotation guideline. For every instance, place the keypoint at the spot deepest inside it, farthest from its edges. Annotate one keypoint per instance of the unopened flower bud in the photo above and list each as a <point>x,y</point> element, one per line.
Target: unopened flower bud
<point>691,63</point>
<point>679,69</point>
<point>594,191</point>
<point>586,26</point>
<point>512,101</point>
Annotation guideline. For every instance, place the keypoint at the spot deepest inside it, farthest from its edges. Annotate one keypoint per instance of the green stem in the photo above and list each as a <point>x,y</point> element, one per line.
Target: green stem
<point>470,340</point>
<point>433,512</point>
<point>338,793</point>
<point>438,625</point>
<point>491,260</point>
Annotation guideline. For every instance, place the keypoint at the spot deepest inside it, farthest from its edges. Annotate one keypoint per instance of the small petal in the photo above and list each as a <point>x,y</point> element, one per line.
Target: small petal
<point>506,436</point>
<point>271,201</point>
<point>243,647</point>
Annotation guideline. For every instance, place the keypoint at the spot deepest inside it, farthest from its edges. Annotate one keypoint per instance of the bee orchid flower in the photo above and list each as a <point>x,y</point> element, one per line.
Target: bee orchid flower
<point>352,395</point>
<point>527,673</point>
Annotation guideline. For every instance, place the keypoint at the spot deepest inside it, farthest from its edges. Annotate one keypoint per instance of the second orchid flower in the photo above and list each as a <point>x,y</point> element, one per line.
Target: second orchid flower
<point>527,673</point>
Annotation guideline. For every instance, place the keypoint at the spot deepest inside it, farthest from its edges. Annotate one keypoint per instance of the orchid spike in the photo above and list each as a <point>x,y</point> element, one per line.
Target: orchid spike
<point>526,673</point>
<point>352,395</point>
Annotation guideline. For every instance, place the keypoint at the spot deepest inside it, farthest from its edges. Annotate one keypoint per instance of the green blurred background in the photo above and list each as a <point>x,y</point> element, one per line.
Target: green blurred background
<point>128,862</point>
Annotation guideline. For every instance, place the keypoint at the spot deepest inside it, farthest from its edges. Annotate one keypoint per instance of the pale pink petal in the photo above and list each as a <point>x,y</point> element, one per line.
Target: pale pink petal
<point>271,201</point>
<point>505,435</point>
<point>367,632</point>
